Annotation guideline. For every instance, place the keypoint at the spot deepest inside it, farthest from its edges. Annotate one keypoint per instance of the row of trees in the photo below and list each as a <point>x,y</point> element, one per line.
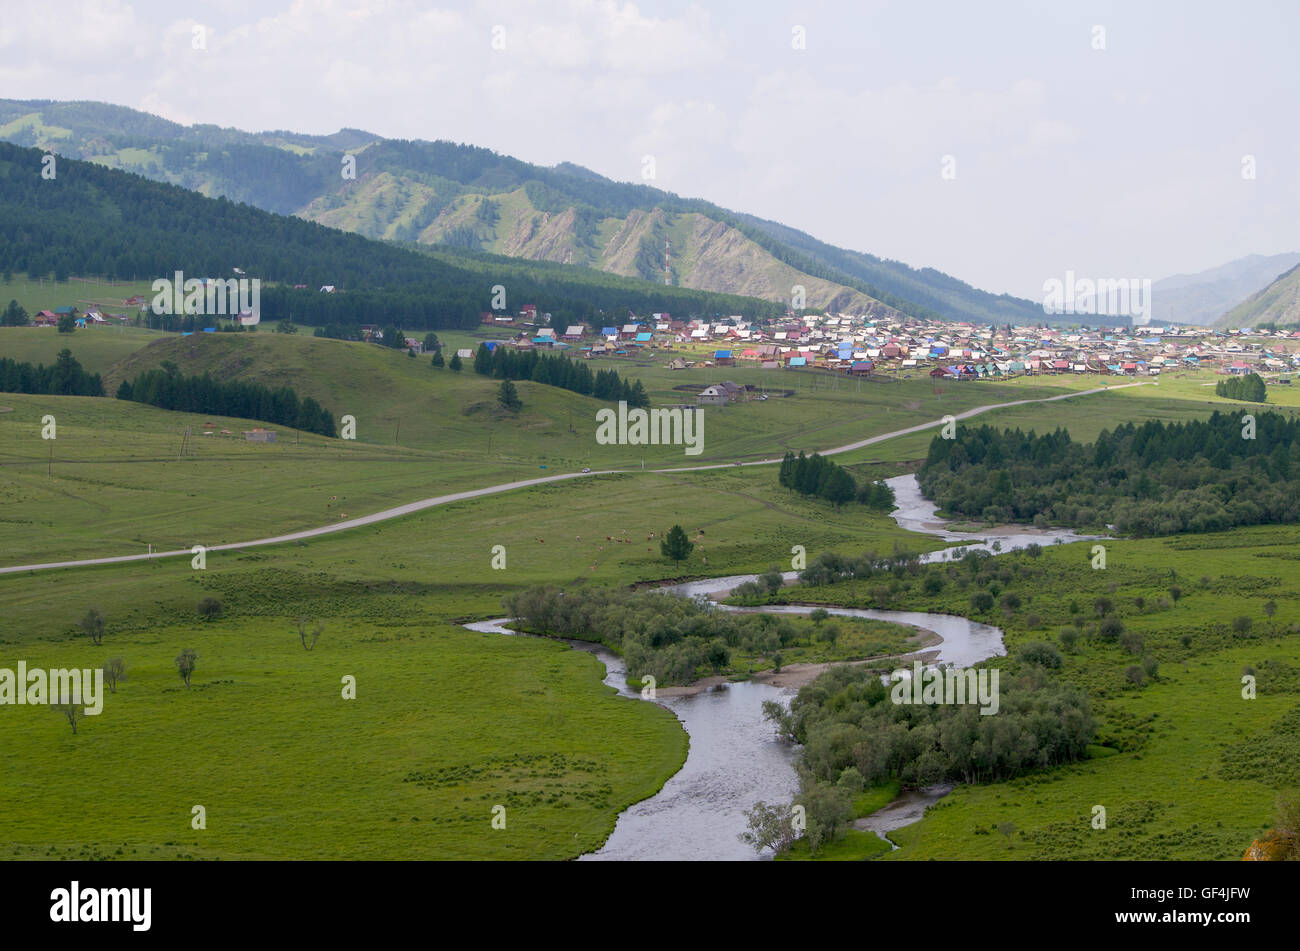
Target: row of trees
<point>816,475</point>
<point>167,388</point>
<point>1153,478</point>
<point>1249,387</point>
<point>504,363</point>
<point>64,377</point>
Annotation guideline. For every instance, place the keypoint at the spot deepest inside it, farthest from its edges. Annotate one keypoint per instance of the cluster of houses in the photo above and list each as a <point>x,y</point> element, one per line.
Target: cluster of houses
<point>858,345</point>
<point>91,318</point>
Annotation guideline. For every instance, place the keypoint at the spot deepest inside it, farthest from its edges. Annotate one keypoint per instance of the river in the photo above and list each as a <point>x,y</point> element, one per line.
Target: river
<point>735,758</point>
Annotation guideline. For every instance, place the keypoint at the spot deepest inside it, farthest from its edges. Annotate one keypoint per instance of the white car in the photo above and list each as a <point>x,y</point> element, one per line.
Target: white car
<point>586,470</point>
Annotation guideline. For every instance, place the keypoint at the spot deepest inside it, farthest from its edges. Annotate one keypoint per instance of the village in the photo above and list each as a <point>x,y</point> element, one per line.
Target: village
<point>861,346</point>
<point>858,345</point>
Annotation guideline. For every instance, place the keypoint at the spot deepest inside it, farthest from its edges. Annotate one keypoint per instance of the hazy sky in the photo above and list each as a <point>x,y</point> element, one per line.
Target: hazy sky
<point>1125,161</point>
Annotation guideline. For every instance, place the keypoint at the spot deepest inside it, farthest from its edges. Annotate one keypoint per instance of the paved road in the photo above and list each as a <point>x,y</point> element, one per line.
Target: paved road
<point>423,504</point>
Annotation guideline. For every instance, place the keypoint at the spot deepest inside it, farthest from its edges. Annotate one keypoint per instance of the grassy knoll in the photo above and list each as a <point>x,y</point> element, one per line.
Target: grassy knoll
<point>1193,768</point>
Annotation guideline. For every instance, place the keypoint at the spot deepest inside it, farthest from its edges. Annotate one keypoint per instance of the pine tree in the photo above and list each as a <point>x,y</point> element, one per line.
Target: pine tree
<point>676,545</point>
<point>508,397</point>
<point>454,362</point>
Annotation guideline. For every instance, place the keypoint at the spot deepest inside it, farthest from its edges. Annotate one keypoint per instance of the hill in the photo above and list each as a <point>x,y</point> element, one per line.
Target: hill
<point>1278,304</point>
<point>1203,297</point>
<point>442,193</point>
<point>95,220</point>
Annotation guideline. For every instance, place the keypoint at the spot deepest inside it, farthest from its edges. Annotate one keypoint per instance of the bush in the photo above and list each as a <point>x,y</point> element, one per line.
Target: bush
<point>1041,653</point>
<point>981,602</point>
<point>210,608</point>
<point>1110,629</point>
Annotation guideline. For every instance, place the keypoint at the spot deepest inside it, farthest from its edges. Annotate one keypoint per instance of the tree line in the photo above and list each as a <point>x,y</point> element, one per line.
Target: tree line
<point>505,363</point>
<point>64,377</point>
<point>1153,478</point>
<point>817,476</point>
<point>168,389</point>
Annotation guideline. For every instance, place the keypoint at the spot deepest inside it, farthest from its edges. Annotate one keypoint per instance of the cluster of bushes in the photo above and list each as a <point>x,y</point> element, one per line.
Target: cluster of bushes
<point>846,719</point>
<point>831,567</point>
<point>667,636</point>
<point>816,475</point>
<point>1154,478</point>
<point>504,363</point>
<point>64,377</point>
<point>169,389</point>
<point>1249,387</point>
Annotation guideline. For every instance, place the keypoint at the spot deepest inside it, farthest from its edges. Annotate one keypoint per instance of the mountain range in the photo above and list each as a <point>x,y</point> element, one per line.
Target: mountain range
<point>464,197</point>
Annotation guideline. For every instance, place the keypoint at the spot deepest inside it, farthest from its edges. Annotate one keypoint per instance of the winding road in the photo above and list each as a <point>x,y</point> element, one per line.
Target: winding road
<point>412,507</point>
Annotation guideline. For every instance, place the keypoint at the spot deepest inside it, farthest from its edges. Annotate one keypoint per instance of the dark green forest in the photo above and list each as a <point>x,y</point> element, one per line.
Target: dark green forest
<point>64,377</point>
<point>1152,478</point>
<point>1249,387</point>
<point>503,363</point>
<point>817,476</point>
<point>168,389</point>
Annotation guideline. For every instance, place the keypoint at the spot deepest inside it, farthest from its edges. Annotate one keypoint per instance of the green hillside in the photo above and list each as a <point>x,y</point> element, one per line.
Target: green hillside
<point>1277,304</point>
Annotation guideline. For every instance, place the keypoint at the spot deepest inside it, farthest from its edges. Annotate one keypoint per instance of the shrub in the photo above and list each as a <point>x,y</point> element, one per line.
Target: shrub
<point>1041,653</point>
<point>209,608</point>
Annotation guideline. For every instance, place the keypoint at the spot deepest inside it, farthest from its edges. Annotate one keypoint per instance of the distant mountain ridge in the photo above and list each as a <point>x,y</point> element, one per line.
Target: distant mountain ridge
<point>1206,296</point>
<point>467,197</point>
<point>1278,304</point>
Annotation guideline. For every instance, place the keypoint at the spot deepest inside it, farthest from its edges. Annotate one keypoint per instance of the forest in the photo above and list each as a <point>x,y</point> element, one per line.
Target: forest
<point>168,389</point>
<point>64,377</point>
<point>1153,478</point>
<point>503,363</point>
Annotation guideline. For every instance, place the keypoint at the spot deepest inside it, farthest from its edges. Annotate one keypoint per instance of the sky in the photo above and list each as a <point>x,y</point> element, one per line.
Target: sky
<point>1005,143</point>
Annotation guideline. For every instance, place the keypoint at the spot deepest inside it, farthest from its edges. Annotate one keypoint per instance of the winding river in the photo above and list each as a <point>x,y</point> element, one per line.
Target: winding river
<point>735,758</point>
